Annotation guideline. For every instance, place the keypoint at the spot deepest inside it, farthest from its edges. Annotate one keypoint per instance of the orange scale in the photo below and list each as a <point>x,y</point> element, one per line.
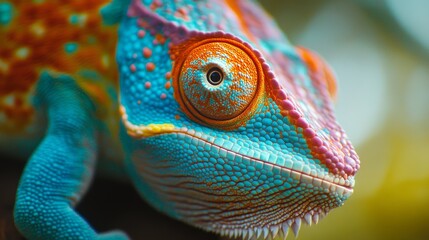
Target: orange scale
<point>147,52</point>
<point>168,85</point>
<point>150,66</point>
<point>168,76</point>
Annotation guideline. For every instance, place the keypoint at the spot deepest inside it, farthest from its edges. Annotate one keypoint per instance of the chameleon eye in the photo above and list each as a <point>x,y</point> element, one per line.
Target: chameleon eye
<point>214,76</point>
<point>218,81</point>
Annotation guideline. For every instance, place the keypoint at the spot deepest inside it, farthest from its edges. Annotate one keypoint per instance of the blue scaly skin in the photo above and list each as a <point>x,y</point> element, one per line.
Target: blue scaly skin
<point>221,124</point>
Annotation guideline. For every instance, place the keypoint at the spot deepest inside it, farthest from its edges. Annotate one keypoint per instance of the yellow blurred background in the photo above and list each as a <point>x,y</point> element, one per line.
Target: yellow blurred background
<point>380,53</point>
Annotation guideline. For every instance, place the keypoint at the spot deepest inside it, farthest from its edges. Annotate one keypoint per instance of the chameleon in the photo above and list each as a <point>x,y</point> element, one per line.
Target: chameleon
<point>214,116</point>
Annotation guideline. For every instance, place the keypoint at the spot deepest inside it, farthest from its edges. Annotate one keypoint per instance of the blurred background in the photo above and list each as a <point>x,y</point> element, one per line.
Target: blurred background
<point>380,53</point>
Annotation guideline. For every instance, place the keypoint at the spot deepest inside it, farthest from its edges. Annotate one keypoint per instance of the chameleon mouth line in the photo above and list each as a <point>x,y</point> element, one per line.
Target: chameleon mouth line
<point>298,175</point>
<point>330,183</point>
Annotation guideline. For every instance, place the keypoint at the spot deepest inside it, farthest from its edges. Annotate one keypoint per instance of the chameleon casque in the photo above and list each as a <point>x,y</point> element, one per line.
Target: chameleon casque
<point>218,120</point>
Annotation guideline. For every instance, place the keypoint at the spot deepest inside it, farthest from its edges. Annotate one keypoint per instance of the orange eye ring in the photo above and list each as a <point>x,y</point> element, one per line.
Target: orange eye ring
<point>202,103</point>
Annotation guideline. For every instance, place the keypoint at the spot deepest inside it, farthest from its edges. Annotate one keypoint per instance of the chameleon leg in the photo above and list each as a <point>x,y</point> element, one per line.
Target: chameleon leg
<point>60,170</point>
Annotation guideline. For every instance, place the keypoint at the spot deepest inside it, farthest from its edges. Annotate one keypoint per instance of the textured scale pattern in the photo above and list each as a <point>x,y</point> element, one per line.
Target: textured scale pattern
<point>218,120</point>
<point>74,36</point>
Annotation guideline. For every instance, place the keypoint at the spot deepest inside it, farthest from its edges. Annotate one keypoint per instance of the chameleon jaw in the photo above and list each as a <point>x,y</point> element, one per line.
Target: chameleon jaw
<point>276,223</point>
<point>281,229</point>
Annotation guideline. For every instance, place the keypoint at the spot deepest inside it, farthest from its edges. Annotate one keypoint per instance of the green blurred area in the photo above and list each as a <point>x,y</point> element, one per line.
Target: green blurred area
<point>379,51</point>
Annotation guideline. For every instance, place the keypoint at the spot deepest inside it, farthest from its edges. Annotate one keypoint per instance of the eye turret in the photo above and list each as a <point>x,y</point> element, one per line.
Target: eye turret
<point>218,82</point>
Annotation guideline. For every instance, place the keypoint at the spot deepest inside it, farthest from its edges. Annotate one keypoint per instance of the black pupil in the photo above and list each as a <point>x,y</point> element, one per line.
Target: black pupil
<point>214,76</point>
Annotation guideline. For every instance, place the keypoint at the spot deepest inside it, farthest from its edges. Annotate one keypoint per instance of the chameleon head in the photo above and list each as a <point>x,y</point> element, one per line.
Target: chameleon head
<point>228,138</point>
